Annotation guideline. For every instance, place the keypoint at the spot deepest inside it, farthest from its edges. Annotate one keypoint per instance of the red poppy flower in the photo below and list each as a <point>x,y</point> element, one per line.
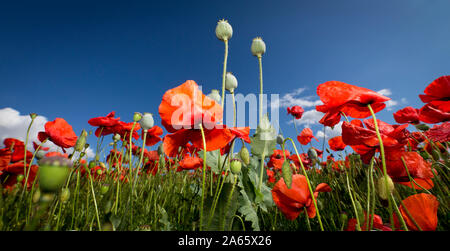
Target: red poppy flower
<point>377,223</point>
<point>182,109</point>
<point>336,143</point>
<point>437,97</point>
<point>271,176</point>
<point>439,133</point>
<point>296,111</point>
<point>423,209</point>
<point>5,157</point>
<point>189,163</point>
<point>306,161</point>
<point>305,136</point>
<point>277,158</point>
<point>8,176</point>
<point>352,100</point>
<point>238,132</point>
<point>35,146</point>
<point>18,150</point>
<point>106,121</point>
<point>52,154</point>
<point>114,158</point>
<point>292,201</point>
<point>153,135</point>
<point>407,115</point>
<point>60,133</point>
<point>417,166</point>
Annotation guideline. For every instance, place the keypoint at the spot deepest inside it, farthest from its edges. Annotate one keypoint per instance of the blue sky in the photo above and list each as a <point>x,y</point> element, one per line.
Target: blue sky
<point>83,59</point>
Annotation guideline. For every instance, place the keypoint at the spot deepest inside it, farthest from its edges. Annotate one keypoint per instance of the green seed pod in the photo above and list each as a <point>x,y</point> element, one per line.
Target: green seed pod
<point>224,31</point>
<point>382,187</point>
<point>36,196</point>
<point>104,189</point>
<point>147,121</point>
<point>20,177</point>
<point>137,116</point>
<point>287,174</point>
<point>53,173</point>
<point>312,154</point>
<point>215,95</point>
<point>245,155</point>
<point>231,82</point>
<point>46,197</point>
<point>422,127</point>
<point>280,139</point>
<point>360,212</point>
<point>236,166</point>
<point>92,164</point>
<point>258,47</point>
<point>81,141</point>
<point>65,195</point>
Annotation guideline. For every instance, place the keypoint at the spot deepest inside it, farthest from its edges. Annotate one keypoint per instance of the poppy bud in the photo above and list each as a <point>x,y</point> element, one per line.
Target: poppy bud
<point>53,173</point>
<point>40,154</point>
<point>287,174</point>
<point>33,115</point>
<point>116,137</point>
<point>382,187</point>
<point>65,194</point>
<point>224,31</point>
<point>82,154</point>
<point>20,177</point>
<point>258,47</point>
<point>107,207</point>
<point>36,196</point>
<point>343,219</point>
<point>46,197</point>
<point>137,116</point>
<point>312,154</point>
<point>147,121</point>
<point>280,139</point>
<point>360,211</point>
<point>92,164</point>
<point>214,95</point>
<point>236,166</point>
<point>81,141</point>
<point>104,189</point>
<point>102,165</point>
<point>231,82</point>
<point>422,127</point>
<point>99,172</point>
<point>245,155</point>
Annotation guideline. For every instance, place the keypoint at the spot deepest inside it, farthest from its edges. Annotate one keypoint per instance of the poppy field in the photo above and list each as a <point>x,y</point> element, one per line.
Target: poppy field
<point>206,175</point>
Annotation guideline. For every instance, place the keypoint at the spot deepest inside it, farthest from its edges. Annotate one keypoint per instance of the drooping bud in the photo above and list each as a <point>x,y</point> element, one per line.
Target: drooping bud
<point>382,192</point>
<point>116,137</point>
<point>280,139</point>
<point>224,31</point>
<point>258,47</point>
<point>312,154</point>
<point>40,154</point>
<point>81,141</point>
<point>33,115</point>
<point>36,196</point>
<point>245,155</point>
<point>65,194</point>
<point>287,174</point>
<point>137,116</point>
<point>53,173</point>
<point>360,211</point>
<point>147,121</point>
<point>161,149</point>
<point>231,82</point>
<point>20,177</point>
<point>236,166</point>
<point>215,95</point>
<point>343,219</point>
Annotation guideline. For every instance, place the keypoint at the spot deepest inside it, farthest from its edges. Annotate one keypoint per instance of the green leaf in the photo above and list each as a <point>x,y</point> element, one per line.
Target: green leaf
<point>222,215</point>
<point>164,219</point>
<point>248,211</point>
<point>212,160</point>
<point>287,174</point>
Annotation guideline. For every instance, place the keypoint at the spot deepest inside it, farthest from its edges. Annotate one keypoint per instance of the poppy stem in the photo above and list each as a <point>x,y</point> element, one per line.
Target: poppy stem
<point>228,203</point>
<point>25,150</point>
<point>358,224</point>
<point>139,164</point>
<point>383,163</point>
<point>260,89</point>
<point>204,176</point>
<point>224,71</point>
<point>309,184</point>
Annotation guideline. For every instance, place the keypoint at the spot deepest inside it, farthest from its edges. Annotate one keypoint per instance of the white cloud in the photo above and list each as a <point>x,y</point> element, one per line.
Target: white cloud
<point>385,92</point>
<point>330,133</point>
<point>309,118</point>
<point>291,99</point>
<point>391,103</point>
<point>14,125</point>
